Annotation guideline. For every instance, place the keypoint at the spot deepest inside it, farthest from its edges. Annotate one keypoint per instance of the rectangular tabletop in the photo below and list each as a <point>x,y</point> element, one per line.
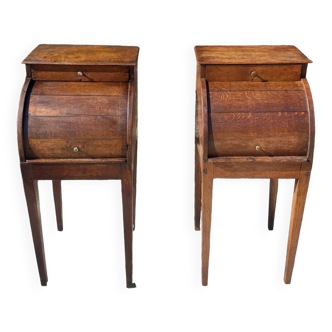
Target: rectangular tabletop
<point>249,55</point>
<point>83,55</point>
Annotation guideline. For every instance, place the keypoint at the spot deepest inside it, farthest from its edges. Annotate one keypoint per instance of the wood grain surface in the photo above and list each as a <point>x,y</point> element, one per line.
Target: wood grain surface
<point>83,54</point>
<point>230,73</point>
<point>249,55</point>
<point>277,134</point>
<point>89,116</point>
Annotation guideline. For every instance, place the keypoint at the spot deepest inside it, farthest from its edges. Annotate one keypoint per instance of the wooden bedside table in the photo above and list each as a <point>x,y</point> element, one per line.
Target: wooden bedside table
<point>254,119</point>
<point>77,120</point>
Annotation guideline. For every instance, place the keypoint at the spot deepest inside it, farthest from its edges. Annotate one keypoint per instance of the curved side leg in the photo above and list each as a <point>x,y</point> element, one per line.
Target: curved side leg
<point>127,200</point>
<point>32,198</point>
<point>58,203</point>
<point>300,194</point>
<point>272,202</point>
<point>207,186</point>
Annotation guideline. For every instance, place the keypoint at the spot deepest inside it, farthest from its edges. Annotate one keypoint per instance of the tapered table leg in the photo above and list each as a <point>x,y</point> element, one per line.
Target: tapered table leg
<point>300,194</point>
<point>32,198</point>
<point>198,189</point>
<point>134,185</point>
<point>127,204</point>
<point>58,203</point>
<point>272,202</point>
<point>207,186</point>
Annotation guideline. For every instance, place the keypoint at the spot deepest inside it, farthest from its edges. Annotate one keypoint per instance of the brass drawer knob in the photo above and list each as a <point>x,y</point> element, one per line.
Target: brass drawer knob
<point>258,148</point>
<point>80,73</point>
<point>75,149</point>
<point>255,74</point>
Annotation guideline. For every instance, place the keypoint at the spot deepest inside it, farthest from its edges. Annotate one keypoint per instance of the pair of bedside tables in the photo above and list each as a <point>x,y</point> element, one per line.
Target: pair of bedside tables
<point>77,120</point>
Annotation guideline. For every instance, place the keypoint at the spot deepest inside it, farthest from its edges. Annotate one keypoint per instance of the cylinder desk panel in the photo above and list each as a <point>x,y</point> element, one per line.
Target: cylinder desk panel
<point>76,120</point>
<point>272,116</point>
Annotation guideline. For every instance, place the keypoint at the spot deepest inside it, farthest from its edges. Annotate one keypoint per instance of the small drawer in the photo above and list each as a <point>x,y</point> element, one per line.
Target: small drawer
<point>254,73</point>
<point>80,73</point>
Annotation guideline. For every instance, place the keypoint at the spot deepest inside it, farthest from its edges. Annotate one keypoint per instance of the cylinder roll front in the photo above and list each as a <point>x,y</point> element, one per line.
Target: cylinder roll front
<point>76,120</point>
<point>258,119</point>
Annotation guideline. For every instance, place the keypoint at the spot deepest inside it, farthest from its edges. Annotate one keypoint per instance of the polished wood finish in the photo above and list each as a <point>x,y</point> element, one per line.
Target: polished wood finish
<point>57,193</point>
<point>32,197</point>
<point>230,73</point>
<point>77,120</point>
<point>216,55</point>
<point>300,194</point>
<point>80,73</point>
<point>45,54</point>
<point>61,116</point>
<point>252,127</point>
<point>272,202</point>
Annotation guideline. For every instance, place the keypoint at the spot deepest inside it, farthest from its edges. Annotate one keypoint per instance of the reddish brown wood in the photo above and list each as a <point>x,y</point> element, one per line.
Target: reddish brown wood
<point>78,161</point>
<point>207,187</point>
<point>84,77</point>
<point>32,198</point>
<point>45,105</point>
<point>276,134</point>
<point>23,100</point>
<point>80,89</point>
<point>260,159</point>
<point>300,194</point>
<point>77,171</point>
<point>229,73</point>
<point>127,204</point>
<point>272,202</point>
<point>79,130</point>
<point>251,101</point>
<point>58,203</point>
<point>252,127</point>
<point>204,120</point>
<point>249,55</point>
<point>80,73</point>
<point>252,86</point>
<point>28,71</point>
<point>83,55</point>
<point>310,104</point>
<point>64,148</point>
<point>198,196</point>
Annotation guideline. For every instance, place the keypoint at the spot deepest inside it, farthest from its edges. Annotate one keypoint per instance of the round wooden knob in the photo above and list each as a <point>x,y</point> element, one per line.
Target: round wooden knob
<point>80,73</point>
<point>75,149</point>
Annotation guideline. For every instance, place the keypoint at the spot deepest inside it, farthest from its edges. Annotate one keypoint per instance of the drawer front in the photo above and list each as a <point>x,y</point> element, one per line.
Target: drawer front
<point>80,73</point>
<point>76,120</point>
<point>230,73</point>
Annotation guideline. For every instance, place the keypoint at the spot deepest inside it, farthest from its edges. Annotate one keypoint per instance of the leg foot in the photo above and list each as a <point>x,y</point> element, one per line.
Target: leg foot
<point>43,282</point>
<point>131,285</point>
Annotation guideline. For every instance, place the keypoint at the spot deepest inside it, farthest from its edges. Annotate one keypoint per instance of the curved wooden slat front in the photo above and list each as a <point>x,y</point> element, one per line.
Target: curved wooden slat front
<point>258,119</point>
<point>89,116</point>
